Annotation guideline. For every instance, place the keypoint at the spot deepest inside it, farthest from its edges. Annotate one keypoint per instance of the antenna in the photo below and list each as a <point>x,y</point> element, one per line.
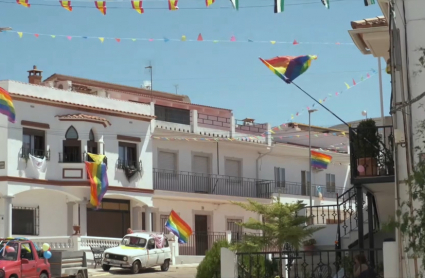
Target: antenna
<point>177,88</point>
<point>151,72</point>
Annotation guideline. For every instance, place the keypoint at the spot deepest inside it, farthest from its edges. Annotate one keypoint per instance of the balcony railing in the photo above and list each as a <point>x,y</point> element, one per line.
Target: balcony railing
<point>200,242</point>
<point>72,157</point>
<point>372,152</point>
<point>232,186</point>
<point>25,152</point>
<point>126,164</point>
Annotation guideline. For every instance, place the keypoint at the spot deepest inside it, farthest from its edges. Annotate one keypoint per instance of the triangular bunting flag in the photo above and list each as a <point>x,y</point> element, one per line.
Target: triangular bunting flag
<point>250,40</point>
<point>235,4</point>
<point>53,36</point>
<point>183,39</point>
<point>215,41</point>
<point>36,35</point>
<point>172,5</point>
<point>166,40</point>
<point>23,3</point>
<point>133,40</point>
<point>20,34</point>
<point>69,37</point>
<point>200,37</point>
<point>66,5</point>
<point>209,2</point>
<point>233,39</point>
<point>295,42</point>
<point>354,82</point>
<point>348,86</point>
<point>102,40</point>
<point>279,6</point>
<point>101,6</point>
<point>118,40</point>
<point>137,5</point>
<point>326,3</point>
<point>273,42</point>
<point>368,75</point>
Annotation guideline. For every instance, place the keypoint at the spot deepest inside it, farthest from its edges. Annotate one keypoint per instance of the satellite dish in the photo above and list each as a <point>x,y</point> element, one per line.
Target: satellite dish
<point>364,113</point>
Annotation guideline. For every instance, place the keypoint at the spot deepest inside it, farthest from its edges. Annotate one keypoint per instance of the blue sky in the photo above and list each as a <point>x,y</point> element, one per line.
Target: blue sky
<point>227,75</point>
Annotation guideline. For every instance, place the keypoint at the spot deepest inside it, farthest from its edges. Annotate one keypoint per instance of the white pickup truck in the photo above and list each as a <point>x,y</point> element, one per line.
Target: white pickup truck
<point>137,251</point>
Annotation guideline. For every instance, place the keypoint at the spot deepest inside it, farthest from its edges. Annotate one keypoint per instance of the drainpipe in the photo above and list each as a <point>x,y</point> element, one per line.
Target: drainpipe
<point>257,169</point>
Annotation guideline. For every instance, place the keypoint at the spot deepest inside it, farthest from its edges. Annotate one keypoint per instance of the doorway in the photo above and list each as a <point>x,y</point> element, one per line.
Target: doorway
<point>201,234</point>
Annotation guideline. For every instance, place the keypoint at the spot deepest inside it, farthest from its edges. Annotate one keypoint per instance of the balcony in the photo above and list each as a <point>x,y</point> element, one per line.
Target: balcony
<point>72,157</point>
<point>131,165</point>
<point>371,156</point>
<point>232,186</point>
<point>25,153</point>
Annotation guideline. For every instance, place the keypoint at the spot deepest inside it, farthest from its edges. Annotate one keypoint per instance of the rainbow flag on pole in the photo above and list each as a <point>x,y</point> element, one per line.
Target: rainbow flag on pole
<point>97,172</point>
<point>178,227</point>
<point>320,160</point>
<point>6,105</point>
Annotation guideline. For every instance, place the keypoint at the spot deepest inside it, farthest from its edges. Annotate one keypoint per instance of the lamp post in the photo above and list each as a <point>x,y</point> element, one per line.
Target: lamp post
<point>309,158</point>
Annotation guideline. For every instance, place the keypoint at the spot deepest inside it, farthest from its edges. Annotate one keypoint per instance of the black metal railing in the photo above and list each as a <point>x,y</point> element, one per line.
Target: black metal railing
<point>127,164</point>
<point>200,242</point>
<point>323,214</point>
<point>26,152</point>
<point>232,186</point>
<point>371,151</point>
<point>72,157</point>
<point>308,264</point>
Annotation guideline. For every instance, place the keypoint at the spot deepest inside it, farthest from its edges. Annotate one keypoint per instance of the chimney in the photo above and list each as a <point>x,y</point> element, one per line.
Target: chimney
<point>34,76</point>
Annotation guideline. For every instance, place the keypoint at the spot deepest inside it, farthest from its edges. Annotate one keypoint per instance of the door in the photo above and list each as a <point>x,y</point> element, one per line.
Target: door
<point>305,183</point>
<point>200,178</point>
<point>152,253</point>
<point>29,270</point>
<point>201,234</point>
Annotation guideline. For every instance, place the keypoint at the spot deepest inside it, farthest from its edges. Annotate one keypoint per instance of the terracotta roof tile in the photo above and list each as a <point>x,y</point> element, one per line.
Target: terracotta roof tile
<point>83,117</point>
<point>369,22</point>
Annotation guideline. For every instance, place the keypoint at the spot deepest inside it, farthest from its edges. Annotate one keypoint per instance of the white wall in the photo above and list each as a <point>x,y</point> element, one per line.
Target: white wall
<point>54,142</point>
<point>3,142</point>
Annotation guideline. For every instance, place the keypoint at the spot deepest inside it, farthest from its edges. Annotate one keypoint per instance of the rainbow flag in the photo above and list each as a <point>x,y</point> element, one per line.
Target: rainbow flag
<point>101,6</point>
<point>23,3</point>
<point>137,5</point>
<point>178,227</point>
<point>320,160</point>
<point>209,2</point>
<point>172,5</point>
<point>66,5</point>
<point>287,67</point>
<point>6,105</point>
<point>97,172</point>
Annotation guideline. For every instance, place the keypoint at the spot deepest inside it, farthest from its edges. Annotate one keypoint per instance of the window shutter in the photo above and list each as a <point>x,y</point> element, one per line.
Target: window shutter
<point>200,164</point>
<point>167,161</point>
<point>232,168</point>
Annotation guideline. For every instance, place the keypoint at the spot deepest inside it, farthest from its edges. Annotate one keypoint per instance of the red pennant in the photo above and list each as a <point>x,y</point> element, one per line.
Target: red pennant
<point>368,75</point>
<point>118,40</point>
<point>295,42</point>
<point>36,35</point>
<point>200,37</point>
<point>354,82</point>
<point>338,43</point>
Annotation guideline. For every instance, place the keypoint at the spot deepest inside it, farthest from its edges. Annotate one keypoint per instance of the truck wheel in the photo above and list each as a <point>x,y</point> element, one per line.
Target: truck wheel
<point>43,275</point>
<point>165,266</point>
<point>135,268</point>
<point>106,267</point>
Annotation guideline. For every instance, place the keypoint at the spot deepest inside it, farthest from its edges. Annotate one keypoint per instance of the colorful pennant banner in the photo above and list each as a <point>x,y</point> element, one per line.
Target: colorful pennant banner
<point>165,39</point>
<point>66,5</point>
<point>137,5</point>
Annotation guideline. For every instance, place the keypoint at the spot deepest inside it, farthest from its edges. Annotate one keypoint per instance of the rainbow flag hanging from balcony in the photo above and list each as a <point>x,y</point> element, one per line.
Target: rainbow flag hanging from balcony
<point>97,172</point>
<point>178,227</point>
<point>320,160</point>
<point>6,105</point>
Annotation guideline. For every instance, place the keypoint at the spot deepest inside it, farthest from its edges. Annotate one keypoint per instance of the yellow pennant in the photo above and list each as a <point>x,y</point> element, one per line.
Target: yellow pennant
<point>348,86</point>
<point>102,40</point>
<point>53,36</point>
<point>133,40</point>
<point>20,34</point>
<point>273,42</point>
<point>183,38</point>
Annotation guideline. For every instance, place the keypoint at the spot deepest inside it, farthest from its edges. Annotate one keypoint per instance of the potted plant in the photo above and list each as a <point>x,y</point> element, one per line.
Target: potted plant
<point>76,229</point>
<point>367,147</point>
<point>309,246</point>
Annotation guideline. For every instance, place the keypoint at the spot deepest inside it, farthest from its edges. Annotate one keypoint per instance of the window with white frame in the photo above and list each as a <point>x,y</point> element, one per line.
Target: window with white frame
<point>167,162</point>
<point>330,182</point>
<point>279,176</point>
<point>127,155</point>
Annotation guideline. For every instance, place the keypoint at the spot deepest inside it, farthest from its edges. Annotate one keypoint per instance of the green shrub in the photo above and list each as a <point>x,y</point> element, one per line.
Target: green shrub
<point>210,265</point>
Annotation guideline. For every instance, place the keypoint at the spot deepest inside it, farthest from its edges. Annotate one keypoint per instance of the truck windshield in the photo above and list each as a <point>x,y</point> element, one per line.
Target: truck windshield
<point>133,241</point>
<point>9,252</point>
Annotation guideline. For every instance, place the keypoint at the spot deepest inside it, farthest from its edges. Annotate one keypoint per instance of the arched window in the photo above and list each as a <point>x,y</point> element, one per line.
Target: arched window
<point>91,145</point>
<point>71,147</point>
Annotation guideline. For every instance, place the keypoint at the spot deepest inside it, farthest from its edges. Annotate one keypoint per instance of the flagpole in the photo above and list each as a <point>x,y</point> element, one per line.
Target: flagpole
<point>319,103</point>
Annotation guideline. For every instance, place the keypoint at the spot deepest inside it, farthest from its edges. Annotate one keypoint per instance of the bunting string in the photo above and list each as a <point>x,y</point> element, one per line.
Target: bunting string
<point>183,38</point>
<point>322,100</point>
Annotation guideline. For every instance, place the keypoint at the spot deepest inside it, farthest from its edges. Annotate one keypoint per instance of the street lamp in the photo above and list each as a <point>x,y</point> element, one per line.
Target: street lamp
<point>309,156</point>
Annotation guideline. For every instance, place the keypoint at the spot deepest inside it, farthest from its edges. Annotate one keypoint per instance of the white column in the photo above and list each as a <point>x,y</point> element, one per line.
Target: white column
<point>83,217</point>
<point>148,219</point>
<point>391,258</point>
<point>8,216</point>
<point>101,144</point>
<point>194,123</point>
<point>136,218</point>
<point>70,218</point>
<point>268,135</point>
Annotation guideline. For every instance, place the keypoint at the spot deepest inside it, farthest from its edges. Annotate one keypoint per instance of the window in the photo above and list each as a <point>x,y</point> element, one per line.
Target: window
<point>91,146</point>
<point>163,218</point>
<point>71,147</point>
<point>33,142</point>
<point>127,155</point>
<point>151,244</point>
<point>232,168</point>
<point>27,252</point>
<point>167,161</point>
<point>232,225</point>
<point>172,115</point>
<point>330,182</point>
<point>25,221</point>
<point>305,183</point>
<point>279,176</point>
<point>133,241</point>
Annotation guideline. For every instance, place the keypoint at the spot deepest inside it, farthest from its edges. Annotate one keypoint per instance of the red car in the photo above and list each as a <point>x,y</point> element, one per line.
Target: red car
<point>20,259</point>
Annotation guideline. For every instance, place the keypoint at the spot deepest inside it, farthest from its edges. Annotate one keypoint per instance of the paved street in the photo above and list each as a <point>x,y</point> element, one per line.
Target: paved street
<point>179,272</point>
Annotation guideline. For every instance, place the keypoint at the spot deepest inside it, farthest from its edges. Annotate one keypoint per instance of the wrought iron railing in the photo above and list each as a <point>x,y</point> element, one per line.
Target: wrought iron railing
<point>371,151</point>
<point>306,264</point>
<point>231,186</point>
<point>26,152</point>
<point>72,157</point>
<point>200,242</point>
<point>127,164</point>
